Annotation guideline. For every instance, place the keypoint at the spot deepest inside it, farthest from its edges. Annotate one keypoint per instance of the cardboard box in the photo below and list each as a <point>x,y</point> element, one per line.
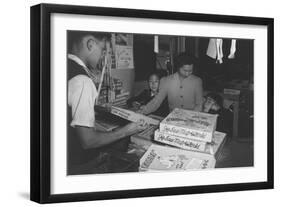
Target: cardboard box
<point>178,141</point>
<point>163,158</point>
<point>194,125</point>
<point>213,148</point>
<point>133,116</point>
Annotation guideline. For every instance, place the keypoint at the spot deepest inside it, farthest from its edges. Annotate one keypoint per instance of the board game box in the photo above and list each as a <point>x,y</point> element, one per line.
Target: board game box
<point>191,124</point>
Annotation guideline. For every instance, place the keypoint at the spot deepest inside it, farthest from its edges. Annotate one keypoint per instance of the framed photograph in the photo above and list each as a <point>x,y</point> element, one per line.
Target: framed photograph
<point>133,103</point>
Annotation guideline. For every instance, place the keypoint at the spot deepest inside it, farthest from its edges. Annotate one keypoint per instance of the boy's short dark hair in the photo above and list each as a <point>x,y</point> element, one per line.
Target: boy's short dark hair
<point>158,72</point>
<point>75,37</point>
<point>184,59</point>
<point>216,97</point>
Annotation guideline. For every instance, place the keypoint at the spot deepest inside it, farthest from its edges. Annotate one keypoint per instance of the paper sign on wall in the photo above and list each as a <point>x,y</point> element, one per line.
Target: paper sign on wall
<point>124,57</point>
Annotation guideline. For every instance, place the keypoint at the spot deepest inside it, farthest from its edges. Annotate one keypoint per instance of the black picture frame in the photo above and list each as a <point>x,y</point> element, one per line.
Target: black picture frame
<point>41,102</point>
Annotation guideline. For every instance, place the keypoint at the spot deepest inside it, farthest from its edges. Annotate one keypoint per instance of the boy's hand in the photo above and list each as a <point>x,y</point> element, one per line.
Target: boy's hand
<point>134,127</point>
<point>141,110</point>
<point>136,104</point>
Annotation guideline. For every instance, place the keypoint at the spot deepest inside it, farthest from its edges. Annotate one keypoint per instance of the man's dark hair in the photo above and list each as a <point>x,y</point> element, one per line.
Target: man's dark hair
<point>75,37</point>
<point>184,59</point>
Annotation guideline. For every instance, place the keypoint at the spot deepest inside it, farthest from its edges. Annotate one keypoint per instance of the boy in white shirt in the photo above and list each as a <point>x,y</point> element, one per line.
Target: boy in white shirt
<point>85,51</point>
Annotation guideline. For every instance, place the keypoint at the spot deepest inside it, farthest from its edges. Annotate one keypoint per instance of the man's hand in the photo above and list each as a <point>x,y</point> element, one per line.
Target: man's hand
<point>134,127</point>
<point>108,106</point>
<point>141,110</point>
<point>136,104</point>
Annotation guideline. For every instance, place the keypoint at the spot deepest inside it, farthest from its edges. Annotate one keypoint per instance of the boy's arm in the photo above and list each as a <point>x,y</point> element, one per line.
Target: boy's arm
<point>90,138</point>
<point>81,99</point>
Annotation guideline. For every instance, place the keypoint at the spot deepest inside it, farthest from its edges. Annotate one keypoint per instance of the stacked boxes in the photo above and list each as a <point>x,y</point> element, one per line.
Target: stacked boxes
<point>103,96</point>
<point>113,93</point>
<point>119,97</point>
<point>212,148</point>
<point>190,132</point>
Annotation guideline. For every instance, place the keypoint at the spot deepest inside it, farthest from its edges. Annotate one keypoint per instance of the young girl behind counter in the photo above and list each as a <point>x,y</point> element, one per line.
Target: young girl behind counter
<point>148,94</point>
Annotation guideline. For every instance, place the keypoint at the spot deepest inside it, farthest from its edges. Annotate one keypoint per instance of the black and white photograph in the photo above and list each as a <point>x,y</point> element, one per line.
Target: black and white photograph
<point>140,103</point>
<point>135,103</point>
<point>161,103</point>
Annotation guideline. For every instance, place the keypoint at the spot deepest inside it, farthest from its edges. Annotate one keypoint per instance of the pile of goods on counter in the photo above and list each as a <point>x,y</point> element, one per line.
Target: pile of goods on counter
<point>190,130</point>
<point>184,140</point>
<point>113,92</point>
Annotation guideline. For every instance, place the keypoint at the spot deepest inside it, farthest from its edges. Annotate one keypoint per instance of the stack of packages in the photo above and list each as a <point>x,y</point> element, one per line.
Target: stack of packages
<point>193,134</point>
<point>114,94</point>
<point>103,96</point>
<point>119,97</point>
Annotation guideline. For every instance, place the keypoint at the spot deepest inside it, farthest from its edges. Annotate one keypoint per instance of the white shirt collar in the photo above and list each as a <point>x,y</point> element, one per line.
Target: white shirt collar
<point>77,60</point>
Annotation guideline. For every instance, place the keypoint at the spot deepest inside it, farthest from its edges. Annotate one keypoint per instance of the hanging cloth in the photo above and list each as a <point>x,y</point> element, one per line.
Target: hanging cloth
<point>232,49</point>
<point>219,51</point>
<point>214,49</point>
<point>156,44</point>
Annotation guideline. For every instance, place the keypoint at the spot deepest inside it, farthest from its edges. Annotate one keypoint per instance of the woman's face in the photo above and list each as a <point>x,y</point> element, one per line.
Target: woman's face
<point>186,70</point>
<point>153,83</point>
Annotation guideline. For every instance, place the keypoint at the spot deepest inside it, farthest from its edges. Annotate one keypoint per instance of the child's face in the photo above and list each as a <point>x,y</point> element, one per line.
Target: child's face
<point>153,83</point>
